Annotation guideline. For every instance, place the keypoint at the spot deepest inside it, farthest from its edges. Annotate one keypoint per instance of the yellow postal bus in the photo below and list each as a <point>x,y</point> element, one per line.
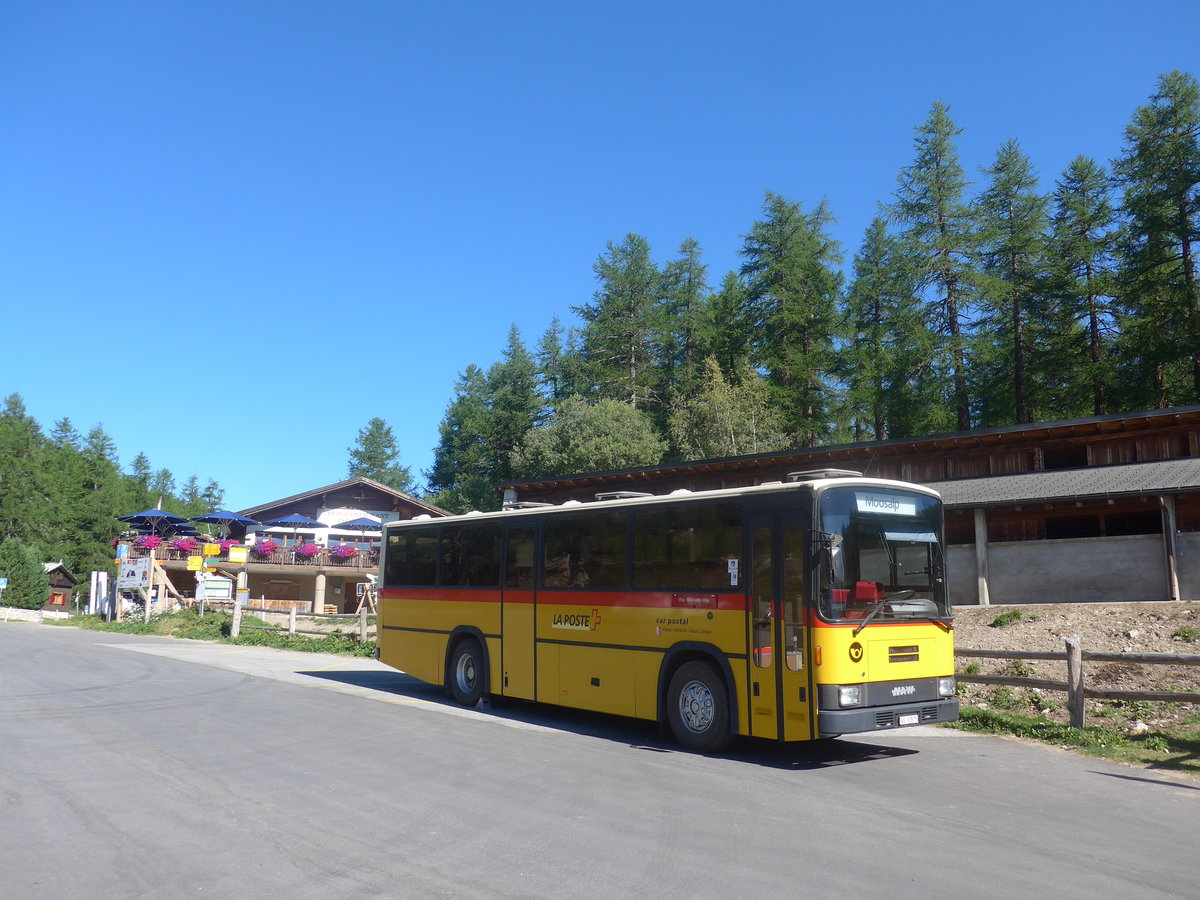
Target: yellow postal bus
<point>788,611</point>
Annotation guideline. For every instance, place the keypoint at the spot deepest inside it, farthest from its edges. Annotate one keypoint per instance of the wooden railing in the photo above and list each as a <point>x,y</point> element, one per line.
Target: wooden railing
<point>324,559</point>
<point>1074,686</point>
<point>365,623</point>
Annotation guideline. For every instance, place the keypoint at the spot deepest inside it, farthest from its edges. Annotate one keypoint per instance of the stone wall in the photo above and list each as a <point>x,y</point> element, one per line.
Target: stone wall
<point>1077,570</point>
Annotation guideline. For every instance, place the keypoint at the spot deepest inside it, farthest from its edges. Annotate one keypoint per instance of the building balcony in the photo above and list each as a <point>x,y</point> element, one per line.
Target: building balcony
<point>285,559</point>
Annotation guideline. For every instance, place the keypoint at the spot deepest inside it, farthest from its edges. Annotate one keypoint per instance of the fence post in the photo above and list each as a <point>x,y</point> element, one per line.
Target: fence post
<point>362,622</point>
<point>236,627</point>
<point>1075,681</point>
<point>292,622</point>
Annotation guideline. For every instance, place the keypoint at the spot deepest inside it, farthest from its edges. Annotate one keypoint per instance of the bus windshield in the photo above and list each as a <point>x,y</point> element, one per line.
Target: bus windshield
<point>881,555</point>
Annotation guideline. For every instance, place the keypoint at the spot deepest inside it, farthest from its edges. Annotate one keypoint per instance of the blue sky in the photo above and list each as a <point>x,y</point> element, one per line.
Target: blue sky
<point>234,232</point>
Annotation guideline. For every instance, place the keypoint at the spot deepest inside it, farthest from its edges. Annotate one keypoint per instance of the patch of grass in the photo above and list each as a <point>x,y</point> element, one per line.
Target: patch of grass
<point>1187,633</point>
<point>1178,752</point>
<point>1020,668</point>
<point>215,626</point>
<point>1006,618</point>
<point>1003,698</point>
<point>973,669</point>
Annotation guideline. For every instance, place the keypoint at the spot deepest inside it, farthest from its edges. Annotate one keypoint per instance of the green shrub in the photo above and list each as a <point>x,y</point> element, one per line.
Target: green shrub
<point>1005,618</point>
<point>1187,633</point>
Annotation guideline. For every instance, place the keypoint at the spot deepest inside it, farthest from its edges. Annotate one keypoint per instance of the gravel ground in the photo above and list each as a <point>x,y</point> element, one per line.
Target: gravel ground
<point>1104,627</point>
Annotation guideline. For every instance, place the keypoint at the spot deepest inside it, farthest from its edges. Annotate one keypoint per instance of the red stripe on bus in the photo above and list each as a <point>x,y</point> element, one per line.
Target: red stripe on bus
<point>649,600</point>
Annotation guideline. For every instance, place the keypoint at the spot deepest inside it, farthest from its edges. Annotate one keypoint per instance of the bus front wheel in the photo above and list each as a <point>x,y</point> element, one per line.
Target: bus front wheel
<point>466,672</point>
<point>698,708</point>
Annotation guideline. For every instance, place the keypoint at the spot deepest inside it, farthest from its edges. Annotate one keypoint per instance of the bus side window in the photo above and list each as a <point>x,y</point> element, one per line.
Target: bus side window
<point>518,567</point>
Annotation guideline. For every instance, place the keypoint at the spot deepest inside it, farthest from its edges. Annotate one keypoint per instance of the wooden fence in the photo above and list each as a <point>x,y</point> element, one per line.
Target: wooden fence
<point>236,627</point>
<point>1074,686</point>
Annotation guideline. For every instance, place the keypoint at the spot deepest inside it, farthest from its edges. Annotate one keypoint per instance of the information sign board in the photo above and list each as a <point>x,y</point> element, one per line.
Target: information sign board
<point>134,573</point>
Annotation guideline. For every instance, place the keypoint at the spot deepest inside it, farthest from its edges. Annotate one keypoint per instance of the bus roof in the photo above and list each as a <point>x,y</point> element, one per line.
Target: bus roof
<point>818,481</point>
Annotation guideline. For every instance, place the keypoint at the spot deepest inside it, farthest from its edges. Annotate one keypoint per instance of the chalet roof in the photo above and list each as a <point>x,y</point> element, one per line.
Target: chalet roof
<point>349,482</point>
<point>51,567</point>
<point>861,455</point>
<point>1172,476</point>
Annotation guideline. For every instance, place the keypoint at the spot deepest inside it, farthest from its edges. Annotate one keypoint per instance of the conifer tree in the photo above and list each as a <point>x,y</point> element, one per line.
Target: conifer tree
<point>936,221</point>
<point>685,288</point>
<point>724,327</point>
<point>514,404</point>
<point>376,456</point>
<point>1081,273</point>
<point>28,585</point>
<point>461,476</point>
<point>793,290</point>
<point>1160,172</point>
<point>623,324</point>
<point>1011,224</point>
<point>889,365</point>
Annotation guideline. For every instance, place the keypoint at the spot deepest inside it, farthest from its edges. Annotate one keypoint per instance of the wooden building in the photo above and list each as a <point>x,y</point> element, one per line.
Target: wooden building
<point>1099,508</point>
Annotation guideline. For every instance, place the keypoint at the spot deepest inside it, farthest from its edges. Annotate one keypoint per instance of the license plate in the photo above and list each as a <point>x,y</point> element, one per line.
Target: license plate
<point>911,719</point>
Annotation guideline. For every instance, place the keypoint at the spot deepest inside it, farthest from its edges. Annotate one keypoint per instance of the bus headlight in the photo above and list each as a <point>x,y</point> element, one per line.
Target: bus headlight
<point>849,695</point>
<point>946,686</point>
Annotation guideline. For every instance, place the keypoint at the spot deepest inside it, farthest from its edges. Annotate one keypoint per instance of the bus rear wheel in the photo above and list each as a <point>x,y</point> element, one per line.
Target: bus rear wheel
<point>698,708</point>
<point>466,672</point>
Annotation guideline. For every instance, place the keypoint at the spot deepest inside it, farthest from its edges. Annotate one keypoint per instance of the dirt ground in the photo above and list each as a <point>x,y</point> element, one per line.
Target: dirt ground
<point>1104,627</point>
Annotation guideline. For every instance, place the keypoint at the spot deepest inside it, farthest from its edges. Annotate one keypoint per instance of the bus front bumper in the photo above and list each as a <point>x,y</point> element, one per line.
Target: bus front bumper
<point>882,718</point>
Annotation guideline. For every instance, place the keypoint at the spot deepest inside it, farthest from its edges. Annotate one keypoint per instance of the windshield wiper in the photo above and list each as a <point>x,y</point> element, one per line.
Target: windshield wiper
<point>870,616</point>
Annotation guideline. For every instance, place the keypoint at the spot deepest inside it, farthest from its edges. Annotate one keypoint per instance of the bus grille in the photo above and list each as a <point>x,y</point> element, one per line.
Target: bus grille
<point>909,653</point>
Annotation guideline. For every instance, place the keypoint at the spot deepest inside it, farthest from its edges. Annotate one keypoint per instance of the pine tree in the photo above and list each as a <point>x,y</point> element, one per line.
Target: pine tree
<point>376,456</point>
<point>890,364</point>
<point>1011,223</point>
<point>461,476</point>
<point>64,435</point>
<point>724,328</point>
<point>929,204</point>
<point>1081,269</point>
<point>793,289</point>
<point>685,288</point>
<point>28,585</point>
<point>1160,172</point>
<point>162,486</point>
<point>623,324</point>
<point>23,489</point>
<point>514,404</point>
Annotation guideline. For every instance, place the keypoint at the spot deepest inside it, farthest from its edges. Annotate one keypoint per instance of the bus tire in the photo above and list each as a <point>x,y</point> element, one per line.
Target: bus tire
<point>698,708</point>
<point>466,672</point>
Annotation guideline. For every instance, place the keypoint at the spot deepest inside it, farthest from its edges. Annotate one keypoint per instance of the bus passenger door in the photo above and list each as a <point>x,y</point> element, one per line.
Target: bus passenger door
<point>780,674</point>
<point>517,602</point>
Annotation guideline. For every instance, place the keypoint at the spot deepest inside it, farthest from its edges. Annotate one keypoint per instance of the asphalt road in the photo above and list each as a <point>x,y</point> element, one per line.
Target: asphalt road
<point>144,767</point>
